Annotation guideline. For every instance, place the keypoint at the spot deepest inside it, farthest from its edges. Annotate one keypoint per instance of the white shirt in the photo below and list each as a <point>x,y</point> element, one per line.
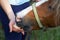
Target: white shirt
<point>17,2</point>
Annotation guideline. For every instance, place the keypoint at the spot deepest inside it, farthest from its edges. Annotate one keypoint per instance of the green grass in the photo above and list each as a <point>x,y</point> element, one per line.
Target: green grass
<point>50,34</point>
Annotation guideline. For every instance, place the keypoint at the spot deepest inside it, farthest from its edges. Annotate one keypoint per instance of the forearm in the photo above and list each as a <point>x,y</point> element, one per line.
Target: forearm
<point>7,8</point>
<point>0,2</point>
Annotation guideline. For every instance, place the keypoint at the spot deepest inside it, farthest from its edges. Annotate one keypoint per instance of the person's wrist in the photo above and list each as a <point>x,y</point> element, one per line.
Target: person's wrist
<point>11,15</point>
<point>12,19</point>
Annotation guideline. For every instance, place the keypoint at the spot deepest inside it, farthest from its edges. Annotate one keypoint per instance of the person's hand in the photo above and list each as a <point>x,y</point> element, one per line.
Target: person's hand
<point>14,28</point>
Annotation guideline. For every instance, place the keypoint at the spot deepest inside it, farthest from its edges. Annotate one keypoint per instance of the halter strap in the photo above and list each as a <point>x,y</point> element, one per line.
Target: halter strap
<point>36,15</point>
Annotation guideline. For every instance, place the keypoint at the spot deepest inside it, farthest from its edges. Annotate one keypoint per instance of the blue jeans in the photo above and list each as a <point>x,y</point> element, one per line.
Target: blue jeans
<point>5,21</point>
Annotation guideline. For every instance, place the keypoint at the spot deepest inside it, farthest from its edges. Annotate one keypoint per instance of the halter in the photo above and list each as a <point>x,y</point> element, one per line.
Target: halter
<point>33,3</point>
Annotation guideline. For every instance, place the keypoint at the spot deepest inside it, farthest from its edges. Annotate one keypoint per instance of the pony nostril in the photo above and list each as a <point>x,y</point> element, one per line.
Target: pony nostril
<point>50,7</point>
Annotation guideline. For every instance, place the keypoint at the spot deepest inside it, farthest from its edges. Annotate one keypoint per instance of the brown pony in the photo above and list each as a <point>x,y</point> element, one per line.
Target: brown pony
<point>48,13</point>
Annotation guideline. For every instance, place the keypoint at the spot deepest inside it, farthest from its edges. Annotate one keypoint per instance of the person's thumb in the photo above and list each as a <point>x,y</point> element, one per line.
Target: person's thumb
<point>10,27</point>
<point>23,32</point>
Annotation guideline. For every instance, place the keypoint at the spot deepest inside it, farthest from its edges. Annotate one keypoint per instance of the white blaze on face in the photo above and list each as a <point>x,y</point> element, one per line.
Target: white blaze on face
<point>24,12</point>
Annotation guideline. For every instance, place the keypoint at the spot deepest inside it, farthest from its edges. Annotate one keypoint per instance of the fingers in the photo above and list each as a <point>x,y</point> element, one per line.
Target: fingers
<point>18,29</point>
<point>15,28</point>
<point>23,32</point>
<point>10,27</point>
<point>18,19</point>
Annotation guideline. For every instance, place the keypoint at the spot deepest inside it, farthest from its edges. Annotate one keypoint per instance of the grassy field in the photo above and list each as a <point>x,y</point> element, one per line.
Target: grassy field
<point>50,34</point>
